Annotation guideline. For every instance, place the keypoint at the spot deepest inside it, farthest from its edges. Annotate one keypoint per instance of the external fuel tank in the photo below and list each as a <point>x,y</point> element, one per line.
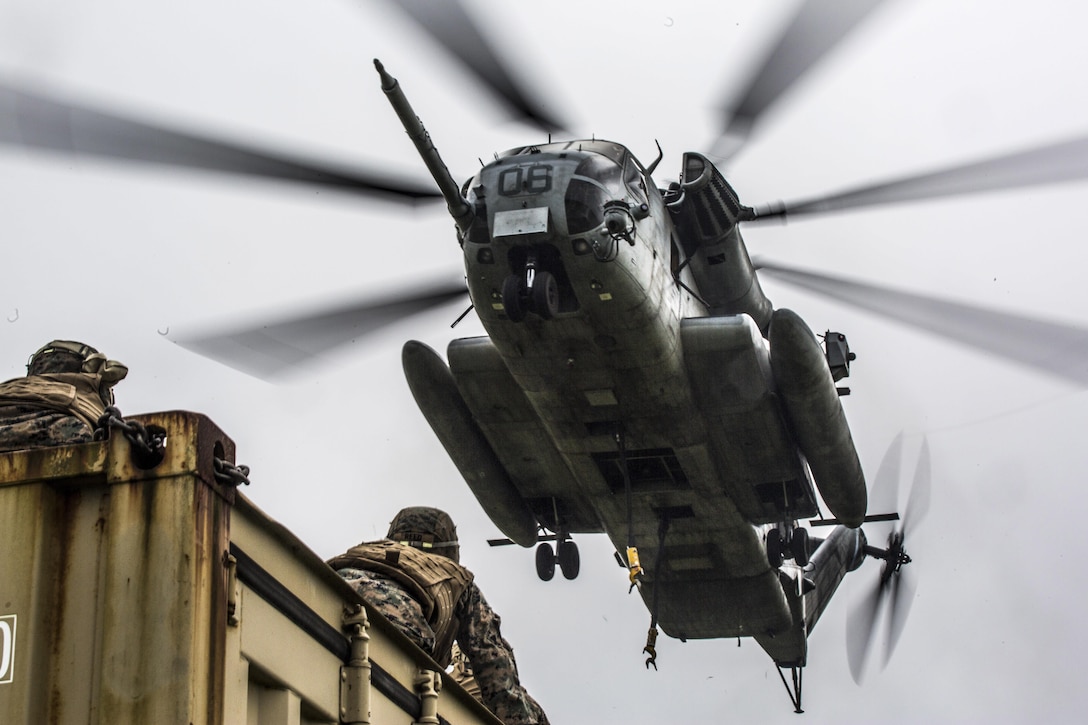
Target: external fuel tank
<point>815,415</point>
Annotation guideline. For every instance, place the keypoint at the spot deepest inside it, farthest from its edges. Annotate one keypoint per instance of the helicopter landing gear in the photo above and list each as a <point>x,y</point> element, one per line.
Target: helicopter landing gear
<point>534,290</point>
<point>794,544</point>
<point>545,562</point>
<point>567,557</point>
<point>513,298</point>
<point>545,295</point>
<point>570,561</point>
<point>799,546</point>
<point>775,548</point>
<point>797,673</point>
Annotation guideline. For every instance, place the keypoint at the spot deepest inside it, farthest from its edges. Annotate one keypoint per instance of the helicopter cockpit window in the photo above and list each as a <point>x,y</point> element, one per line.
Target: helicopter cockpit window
<point>585,206</point>
<point>596,181</point>
<point>602,169</point>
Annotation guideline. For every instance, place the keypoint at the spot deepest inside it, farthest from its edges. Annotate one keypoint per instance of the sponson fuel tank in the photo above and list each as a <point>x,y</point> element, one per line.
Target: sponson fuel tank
<point>436,393</point>
<point>816,417</point>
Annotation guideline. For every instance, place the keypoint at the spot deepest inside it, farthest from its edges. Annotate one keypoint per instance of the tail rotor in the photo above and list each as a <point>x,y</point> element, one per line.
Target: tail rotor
<point>896,587</point>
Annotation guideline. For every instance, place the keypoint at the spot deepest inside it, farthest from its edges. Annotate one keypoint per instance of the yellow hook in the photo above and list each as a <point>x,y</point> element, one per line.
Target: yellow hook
<point>634,567</point>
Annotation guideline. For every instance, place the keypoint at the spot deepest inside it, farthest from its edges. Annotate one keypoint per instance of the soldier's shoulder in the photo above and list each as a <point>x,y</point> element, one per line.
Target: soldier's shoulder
<point>24,427</point>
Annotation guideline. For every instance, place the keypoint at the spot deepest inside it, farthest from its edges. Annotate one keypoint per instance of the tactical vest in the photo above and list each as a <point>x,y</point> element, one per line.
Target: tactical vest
<point>434,581</point>
<point>72,393</point>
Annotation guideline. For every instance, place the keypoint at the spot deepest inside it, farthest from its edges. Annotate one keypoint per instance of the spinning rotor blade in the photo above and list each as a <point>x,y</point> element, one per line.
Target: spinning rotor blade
<point>817,28</point>
<point>905,584</point>
<point>884,496</point>
<point>897,584</point>
<point>33,120</point>
<point>1048,164</point>
<point>904,587</point>
<point>861,625</point>
<point>918,503</point>
<point>269,350</point>
<point>1051,347</point>
<point>451,26</point>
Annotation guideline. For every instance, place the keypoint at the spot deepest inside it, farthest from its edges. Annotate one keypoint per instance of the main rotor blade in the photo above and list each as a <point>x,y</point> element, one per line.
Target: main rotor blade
<point>269,350</point>
<point>817,28</point>
<point>35,120</point>
<point>452,27</point>
<point>1048,164</point>
<point>1054,348</point>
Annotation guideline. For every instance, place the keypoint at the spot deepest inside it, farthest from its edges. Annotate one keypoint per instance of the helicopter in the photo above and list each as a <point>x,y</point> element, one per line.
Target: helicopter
<point>636,381</point>
<point>536,304</point>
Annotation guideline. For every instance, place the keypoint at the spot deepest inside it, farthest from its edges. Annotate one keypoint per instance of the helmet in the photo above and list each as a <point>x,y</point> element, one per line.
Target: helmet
<point>69,356</point>
<point>60,356</point>
<point>426,528</point>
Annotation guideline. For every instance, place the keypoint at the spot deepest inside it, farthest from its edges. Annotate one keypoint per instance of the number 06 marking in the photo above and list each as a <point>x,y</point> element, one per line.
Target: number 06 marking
<point>7,648</point>
<point>523,180</point>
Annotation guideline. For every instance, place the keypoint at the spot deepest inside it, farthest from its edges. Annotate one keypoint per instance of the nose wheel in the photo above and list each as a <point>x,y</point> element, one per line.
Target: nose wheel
<point>536,290</point>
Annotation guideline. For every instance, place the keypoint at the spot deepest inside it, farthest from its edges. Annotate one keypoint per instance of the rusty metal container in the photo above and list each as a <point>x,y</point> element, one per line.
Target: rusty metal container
<point>165,596</point>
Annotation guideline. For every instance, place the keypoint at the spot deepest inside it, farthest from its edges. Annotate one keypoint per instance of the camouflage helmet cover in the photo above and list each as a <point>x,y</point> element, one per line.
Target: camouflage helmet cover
<point>69,356</point>
<point>59,356</point>
<point>426,528</point>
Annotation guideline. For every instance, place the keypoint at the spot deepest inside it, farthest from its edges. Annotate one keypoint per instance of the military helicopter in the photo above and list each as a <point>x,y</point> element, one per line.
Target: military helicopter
<point>636,381</point>
<point>532,297</point>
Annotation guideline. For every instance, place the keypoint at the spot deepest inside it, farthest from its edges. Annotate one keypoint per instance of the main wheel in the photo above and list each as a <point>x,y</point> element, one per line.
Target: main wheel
<point>545,294</point>
<point>799,546</point>
<point>774,548</point>
<point>569,559</point>
<point>513,298</point>
<point>545,562</point>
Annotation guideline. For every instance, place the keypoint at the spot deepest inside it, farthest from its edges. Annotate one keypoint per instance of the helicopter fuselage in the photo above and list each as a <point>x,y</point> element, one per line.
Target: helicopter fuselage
<point>614,393</point>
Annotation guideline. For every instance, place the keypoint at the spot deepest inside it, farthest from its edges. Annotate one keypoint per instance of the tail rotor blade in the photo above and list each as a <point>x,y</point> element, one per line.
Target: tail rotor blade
<point>861,625</point>
<point>897,584</point>
<point>904,586</point>
<point>918,502</point>
<point>884,497</point>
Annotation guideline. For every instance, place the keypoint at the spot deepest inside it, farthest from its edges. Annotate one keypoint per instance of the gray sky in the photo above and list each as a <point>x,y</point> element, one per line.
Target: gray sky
<point>116,255</point>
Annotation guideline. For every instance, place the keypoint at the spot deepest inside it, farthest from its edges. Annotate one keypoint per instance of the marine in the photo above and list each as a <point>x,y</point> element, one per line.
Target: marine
<point>415,579</point>
<point>65,392</point>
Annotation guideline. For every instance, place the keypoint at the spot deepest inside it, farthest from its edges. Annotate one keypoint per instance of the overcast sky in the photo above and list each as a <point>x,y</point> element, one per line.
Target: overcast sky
<point>123,257</point>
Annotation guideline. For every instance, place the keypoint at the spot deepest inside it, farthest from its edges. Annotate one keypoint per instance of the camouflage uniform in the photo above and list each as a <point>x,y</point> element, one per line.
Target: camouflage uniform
<point>461,672</point>
<point>67,388</point>
<point>413,578</point>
